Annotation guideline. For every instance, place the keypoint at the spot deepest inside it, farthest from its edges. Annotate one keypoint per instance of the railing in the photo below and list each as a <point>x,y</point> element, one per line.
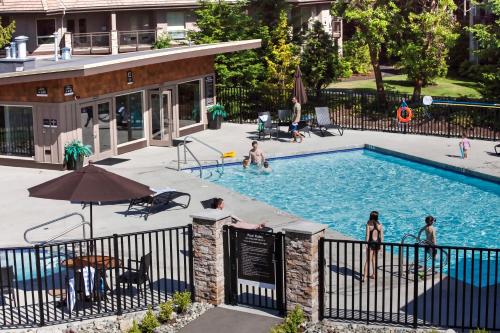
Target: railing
<point>94,42</point>
<point>136,40</point>
<point>35,280</point>
<point>200,166</point>
<point>412,285</point>
<point>362,110</point>
<point>177,34</point>
<point>82,224</point>
<point>18,139</point>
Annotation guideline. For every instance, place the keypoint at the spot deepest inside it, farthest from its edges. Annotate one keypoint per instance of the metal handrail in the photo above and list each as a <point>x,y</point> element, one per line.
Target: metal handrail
<point>186,149</point>
<point>82,223</point>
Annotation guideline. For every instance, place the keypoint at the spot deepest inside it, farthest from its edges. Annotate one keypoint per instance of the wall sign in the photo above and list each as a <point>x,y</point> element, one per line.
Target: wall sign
<point>49,123</point>
<point>42,92</point>
<point>209,90</point>
<point>255,259</point>
<point>68,90</point>
<point>130,77</point>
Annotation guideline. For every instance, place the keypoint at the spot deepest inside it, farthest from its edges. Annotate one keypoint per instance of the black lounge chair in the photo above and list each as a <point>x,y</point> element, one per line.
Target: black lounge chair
<point>162,197</point>
<point>137,275</point>
<point>266,125</point>
<point>8,283</point>
<point>324,121</point>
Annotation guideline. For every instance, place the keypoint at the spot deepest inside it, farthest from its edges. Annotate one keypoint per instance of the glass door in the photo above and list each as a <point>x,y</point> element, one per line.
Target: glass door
<point>160,102</point>
<point>96,128</point>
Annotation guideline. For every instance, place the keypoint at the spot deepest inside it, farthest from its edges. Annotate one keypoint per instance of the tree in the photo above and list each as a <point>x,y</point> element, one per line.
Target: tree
<point>281,55</point>
<point>6,32</point>
<point>488,37</point>
<point>373,20</point>
<point>267,12</point>
<point>320,61</point>
<point>429,33</point>
<point>220,21</point>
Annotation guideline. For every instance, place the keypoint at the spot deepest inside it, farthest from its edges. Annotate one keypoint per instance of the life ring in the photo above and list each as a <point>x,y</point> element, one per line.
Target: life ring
<point>407,116</point>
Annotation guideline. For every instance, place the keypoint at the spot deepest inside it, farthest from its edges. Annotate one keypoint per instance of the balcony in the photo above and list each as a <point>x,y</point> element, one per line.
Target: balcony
<point>91,43</point>
<point>138,40</point>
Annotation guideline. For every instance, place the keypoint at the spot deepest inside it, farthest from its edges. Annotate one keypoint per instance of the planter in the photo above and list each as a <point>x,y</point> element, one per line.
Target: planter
<point>214,124</point>
<point>73,164</point>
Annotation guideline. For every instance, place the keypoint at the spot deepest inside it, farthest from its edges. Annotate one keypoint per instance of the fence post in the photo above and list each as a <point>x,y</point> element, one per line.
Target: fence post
<point>117,274</point>
<point>240,106</point>
<point>190,244</point>
<point>39,285</point>
<point>279,273</point>
<point>448,119</point>
<point>415,289</point>
<point>321,265</point>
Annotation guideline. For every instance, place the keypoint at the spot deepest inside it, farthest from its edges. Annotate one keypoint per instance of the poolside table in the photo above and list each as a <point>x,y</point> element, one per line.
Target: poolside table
<point>96,261</point>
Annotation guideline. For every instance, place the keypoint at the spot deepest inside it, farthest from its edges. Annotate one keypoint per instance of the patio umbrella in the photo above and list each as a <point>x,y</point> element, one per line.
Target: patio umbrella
<point>90,184</point>
<point>299,91</point>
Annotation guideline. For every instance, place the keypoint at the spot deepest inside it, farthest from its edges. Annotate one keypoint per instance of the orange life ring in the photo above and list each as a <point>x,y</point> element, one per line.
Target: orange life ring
<point>409,114</point>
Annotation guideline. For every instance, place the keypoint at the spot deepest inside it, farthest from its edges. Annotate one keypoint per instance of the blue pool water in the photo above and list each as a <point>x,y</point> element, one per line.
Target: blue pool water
<point>340,189</point>
<point>23,262</point>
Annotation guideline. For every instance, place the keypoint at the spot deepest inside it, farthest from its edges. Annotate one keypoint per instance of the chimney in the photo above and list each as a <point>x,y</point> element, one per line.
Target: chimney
<point>21,46</point>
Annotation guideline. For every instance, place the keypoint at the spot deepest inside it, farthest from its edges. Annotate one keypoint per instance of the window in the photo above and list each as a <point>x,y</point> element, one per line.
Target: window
<point>82,26</point>
<point>70,26</point>
<point>129,117</point>
<point>189,103</point>
<point>45,29</point>
<point>16,131</point>
<point>176,25</point>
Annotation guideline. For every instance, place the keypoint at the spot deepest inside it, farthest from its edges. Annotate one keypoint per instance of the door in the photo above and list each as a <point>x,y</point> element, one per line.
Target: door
<point>96,120</point>
<point>160,104</point>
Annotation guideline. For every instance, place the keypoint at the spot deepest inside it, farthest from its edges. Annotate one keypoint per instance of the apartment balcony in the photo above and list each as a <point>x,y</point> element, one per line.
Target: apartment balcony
<point>136,40</point>
<point>91,43</point>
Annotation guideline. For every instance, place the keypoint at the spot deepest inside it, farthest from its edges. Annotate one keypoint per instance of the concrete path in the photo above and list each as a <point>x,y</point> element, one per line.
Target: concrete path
<point>222,320</point>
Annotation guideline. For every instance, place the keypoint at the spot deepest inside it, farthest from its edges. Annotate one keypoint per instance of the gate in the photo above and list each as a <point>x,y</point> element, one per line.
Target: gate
<point>254,268</point>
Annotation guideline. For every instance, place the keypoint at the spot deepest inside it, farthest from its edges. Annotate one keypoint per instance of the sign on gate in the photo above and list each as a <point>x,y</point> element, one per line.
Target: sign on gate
<point>256,259</point>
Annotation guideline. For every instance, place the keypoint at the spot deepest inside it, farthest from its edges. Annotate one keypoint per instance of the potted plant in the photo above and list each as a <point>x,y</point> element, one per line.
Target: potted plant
<point>74,153</point>
<point>215,115</point>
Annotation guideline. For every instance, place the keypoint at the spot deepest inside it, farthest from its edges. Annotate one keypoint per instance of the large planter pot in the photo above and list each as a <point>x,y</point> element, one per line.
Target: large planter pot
<point>73,164</point>
<point>214,124</point>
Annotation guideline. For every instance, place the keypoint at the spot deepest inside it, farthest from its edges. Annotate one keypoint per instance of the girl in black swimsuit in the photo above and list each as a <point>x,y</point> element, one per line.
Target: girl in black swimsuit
<point>374,237</point>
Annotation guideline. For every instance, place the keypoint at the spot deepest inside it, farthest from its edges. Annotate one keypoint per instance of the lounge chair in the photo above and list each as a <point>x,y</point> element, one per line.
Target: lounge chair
<point>497,146</point>
<point>285,119</point>
<point>8,283</point>
<point>266,125</point>
<point>161,197</point>
<point>324,121</point>
<point>139,274</point>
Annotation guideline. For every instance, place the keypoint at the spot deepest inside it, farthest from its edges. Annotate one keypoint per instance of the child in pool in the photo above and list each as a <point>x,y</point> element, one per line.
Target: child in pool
<point>266,167</point>
<point>246,163</point>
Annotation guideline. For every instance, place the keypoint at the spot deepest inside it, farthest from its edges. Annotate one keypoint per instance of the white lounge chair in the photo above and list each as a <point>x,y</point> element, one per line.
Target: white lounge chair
<point>324,121</point>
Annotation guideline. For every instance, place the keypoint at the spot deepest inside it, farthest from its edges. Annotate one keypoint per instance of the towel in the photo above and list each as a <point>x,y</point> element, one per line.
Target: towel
<point>88,279</point>
<point>71,296</point>
<point>263,118</point>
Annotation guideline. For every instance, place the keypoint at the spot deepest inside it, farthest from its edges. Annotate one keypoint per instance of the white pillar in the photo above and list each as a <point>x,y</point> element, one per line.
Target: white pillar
<point>114,34</point>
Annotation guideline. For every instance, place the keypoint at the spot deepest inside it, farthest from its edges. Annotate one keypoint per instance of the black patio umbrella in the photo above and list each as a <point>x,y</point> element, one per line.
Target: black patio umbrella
<point>90,184</point>
<point>299,91</point>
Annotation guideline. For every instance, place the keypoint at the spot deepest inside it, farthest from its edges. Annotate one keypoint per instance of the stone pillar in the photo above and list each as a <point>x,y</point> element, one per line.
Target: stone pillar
<point>208,255</point>
<point>114,34</point>
<point>302,270</point>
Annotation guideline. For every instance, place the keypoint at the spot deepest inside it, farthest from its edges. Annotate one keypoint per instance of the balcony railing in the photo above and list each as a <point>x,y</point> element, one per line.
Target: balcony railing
<point>91,43</point>
<point>177,34</point>
<point>136,40</point>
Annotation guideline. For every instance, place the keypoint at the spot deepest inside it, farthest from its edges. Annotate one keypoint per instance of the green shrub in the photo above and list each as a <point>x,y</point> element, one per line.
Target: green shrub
<point>292,322</point>
<point>149,322</point>
<point>135,328</point>
<point>166,310</point>
<point>182,300</point>
<point>162,42</point>
<point>358,55</point>
<point>480,330</point>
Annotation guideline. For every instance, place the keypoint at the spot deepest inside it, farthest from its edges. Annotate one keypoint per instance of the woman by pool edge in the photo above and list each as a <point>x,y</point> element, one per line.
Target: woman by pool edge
<point>374,244</point>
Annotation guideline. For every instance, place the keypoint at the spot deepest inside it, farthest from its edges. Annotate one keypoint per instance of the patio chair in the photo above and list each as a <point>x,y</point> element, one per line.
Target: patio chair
<point>324,122</point>
<point>266,125</point>
<point>161,197</point>
<point>137,275</point>
<point>497,146</point>
<point>285,119</point>
<point>8,283</point>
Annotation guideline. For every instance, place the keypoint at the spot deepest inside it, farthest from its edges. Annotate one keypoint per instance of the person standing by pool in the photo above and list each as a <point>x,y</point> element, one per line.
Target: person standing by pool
<point>430,236</point>
<point>255,154</point>
<point>374,237</point>
<point>218,203</point>
<point>464,145</point>
<point>294,127</point>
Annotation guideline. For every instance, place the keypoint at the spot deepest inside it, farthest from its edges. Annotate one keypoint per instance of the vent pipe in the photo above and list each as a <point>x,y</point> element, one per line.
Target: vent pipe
<point>13,50</point>
<point>21,46</point>
<point>56,46</point>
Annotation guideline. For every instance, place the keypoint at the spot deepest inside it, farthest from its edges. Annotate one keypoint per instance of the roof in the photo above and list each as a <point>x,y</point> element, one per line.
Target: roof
<point>46,69</point>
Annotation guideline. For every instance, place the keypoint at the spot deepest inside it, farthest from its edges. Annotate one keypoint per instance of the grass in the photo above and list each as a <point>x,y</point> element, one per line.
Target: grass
<point>444,86</point>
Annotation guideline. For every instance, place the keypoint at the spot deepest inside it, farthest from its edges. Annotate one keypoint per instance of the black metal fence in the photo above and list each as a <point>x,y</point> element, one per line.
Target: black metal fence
<point>16,132</point>
<point>362,110</point>
<point>82,279</point>
<point>412,285</point>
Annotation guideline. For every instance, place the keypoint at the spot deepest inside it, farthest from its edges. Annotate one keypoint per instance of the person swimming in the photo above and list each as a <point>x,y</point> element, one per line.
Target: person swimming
<point>266,168</point>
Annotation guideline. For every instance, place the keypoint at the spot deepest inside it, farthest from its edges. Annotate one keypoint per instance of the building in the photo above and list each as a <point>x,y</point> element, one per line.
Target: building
<point>114,103</point>
<point>111,27</point>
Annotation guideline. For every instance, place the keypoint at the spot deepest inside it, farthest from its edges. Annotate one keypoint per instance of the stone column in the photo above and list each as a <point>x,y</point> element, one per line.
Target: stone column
<point>114,34</point>
<point>302,270</point>
<point>208,255</point>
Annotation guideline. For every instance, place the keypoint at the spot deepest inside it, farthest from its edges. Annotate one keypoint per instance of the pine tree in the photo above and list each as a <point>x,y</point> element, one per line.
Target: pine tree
<point>6,33</point>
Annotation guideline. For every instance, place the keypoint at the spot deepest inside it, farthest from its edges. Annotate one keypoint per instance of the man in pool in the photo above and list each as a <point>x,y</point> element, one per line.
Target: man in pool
<point>256,155</point>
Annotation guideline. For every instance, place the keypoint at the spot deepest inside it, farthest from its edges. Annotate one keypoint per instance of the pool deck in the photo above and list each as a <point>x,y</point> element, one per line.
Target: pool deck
<point>155,166</point>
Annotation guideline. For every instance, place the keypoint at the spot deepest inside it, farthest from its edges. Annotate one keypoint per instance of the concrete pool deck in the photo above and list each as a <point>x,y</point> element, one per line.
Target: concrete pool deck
<point>155,166</point>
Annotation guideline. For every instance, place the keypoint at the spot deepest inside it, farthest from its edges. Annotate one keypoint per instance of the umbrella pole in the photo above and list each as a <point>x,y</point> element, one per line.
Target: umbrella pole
<point>91,224</point>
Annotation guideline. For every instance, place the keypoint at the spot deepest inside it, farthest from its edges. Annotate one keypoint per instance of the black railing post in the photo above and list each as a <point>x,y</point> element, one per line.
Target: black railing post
<point>227,265</point>
<point>117,274</point>
<point>280,293</point>
<point>191,259</point>
<point>415,288</point>
<point>232,234</point>
<point>240,105</point>
<point>321,266</point>
<point>39,285</point>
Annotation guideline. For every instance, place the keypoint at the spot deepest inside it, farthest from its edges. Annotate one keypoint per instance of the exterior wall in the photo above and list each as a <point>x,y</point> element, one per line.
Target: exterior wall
<point>96,22</point>
<point>135,20</point>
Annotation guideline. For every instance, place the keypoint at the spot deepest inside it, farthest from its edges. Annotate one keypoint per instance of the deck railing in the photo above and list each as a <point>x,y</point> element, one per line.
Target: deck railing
<point>136,40</point>
<point>91,43</point>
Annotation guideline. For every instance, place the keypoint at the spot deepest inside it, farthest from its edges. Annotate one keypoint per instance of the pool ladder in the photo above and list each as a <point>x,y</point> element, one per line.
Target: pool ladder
<point>220,166</point>
<point>440,260</point>
<point>82,224</point>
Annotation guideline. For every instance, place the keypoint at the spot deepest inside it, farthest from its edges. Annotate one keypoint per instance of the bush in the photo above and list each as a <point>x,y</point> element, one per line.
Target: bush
<point>480,330</point>
<point>166,310</point>
<point>162,42</point>
<point>135,328</point>
<point>357,55</point>
<point>149,322</point>
<point>292,322</point>
<point>182,300</point>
